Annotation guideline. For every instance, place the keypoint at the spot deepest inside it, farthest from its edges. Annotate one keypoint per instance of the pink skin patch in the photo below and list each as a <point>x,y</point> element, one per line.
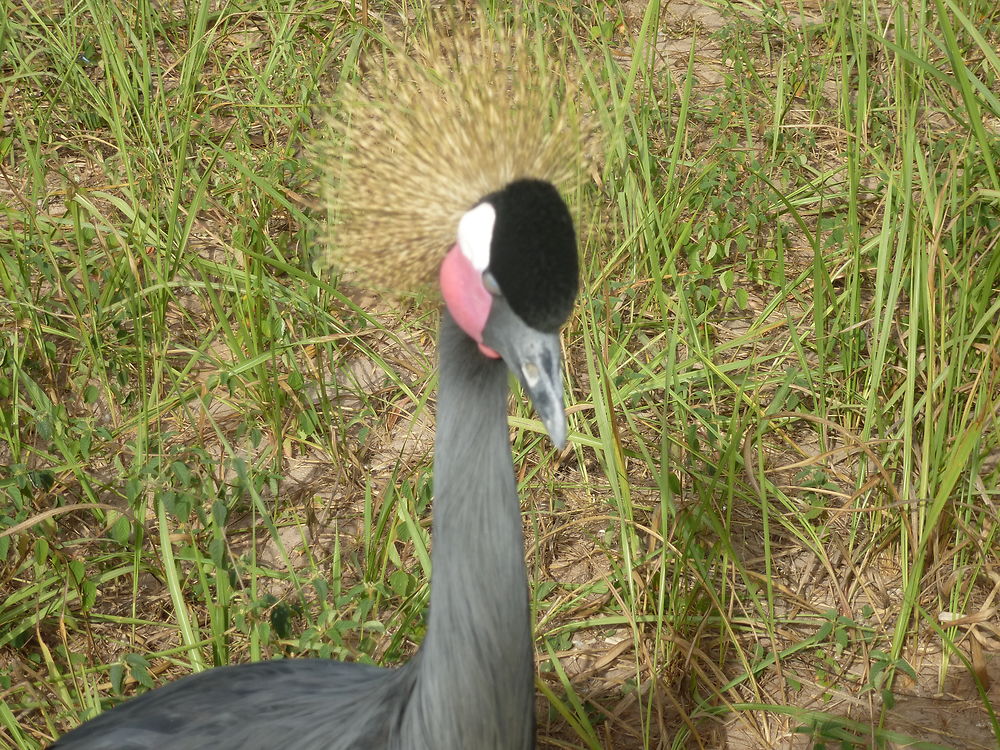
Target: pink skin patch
<point>467,299</point>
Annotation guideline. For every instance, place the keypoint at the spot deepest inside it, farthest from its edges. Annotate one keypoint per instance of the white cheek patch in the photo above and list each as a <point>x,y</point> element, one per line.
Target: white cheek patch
<point>475,234</point>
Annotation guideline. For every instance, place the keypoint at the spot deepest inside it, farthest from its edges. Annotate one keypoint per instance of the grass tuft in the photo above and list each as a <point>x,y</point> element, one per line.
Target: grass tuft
<point>777,521</point>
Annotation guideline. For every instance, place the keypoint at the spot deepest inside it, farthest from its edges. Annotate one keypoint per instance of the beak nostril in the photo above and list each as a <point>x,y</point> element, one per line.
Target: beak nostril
<point>531,373</point>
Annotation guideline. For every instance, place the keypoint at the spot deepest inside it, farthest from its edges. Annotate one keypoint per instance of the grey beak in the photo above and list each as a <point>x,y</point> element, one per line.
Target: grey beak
<point>534,358</point>
<point>537,367</point>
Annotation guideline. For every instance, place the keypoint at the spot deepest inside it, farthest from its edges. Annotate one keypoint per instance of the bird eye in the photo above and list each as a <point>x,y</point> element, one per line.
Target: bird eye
<point>490,282</point>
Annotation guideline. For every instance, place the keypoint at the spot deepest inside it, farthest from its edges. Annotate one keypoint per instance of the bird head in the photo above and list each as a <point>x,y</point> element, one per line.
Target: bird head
<point>462,138</point>
<point>510,281</point>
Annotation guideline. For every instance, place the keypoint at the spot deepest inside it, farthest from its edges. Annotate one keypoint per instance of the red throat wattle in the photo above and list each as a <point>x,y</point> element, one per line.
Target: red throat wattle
<point>466,297</point>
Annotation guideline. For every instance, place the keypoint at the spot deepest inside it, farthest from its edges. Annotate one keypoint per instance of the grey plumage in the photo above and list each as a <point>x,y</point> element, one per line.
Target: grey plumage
<point>471,684</point>
<point>272,704</point>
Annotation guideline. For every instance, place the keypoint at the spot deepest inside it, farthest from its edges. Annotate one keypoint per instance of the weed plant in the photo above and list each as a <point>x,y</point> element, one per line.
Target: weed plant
<point>777,518</point>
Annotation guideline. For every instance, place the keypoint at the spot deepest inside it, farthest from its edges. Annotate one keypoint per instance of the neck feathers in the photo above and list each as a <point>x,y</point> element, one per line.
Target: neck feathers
<point>476,682</point>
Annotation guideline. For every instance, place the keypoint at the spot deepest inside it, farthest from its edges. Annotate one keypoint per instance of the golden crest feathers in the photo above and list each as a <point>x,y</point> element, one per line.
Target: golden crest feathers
<point>431,129</point>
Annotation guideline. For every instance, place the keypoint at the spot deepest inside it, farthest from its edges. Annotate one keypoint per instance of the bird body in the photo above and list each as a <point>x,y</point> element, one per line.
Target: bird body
<point>508,284</point>
<point>265,705</point>
<point>478,634</point>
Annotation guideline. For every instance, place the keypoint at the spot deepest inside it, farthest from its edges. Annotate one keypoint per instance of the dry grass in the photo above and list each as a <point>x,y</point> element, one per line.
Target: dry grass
<point>776,523</point>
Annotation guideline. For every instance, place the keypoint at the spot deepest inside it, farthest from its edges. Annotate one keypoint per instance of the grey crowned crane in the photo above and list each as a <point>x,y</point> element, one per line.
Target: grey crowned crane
<point>444,161</point>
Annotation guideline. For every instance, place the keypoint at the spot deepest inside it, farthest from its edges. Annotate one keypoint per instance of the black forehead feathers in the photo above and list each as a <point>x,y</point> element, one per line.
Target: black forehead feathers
<point>533,252</point>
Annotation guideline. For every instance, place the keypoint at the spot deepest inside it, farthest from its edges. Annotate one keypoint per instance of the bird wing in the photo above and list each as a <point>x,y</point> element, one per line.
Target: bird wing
<point>306,704</point>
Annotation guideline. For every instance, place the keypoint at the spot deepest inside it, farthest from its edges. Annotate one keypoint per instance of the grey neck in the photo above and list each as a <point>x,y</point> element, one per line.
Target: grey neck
<point>475,671</point>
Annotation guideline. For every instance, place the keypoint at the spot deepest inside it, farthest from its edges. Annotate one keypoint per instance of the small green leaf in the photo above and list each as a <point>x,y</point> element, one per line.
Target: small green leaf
<point>219,513</point>
<point>281,620</point>
<point>117,676</point>
<point>888,700</point>
<point>181,472</point>
<point>401,582</point>
<point>139,668</point>
<point>88,594</point>
<point>78,570</point>
<point>121,530</point>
